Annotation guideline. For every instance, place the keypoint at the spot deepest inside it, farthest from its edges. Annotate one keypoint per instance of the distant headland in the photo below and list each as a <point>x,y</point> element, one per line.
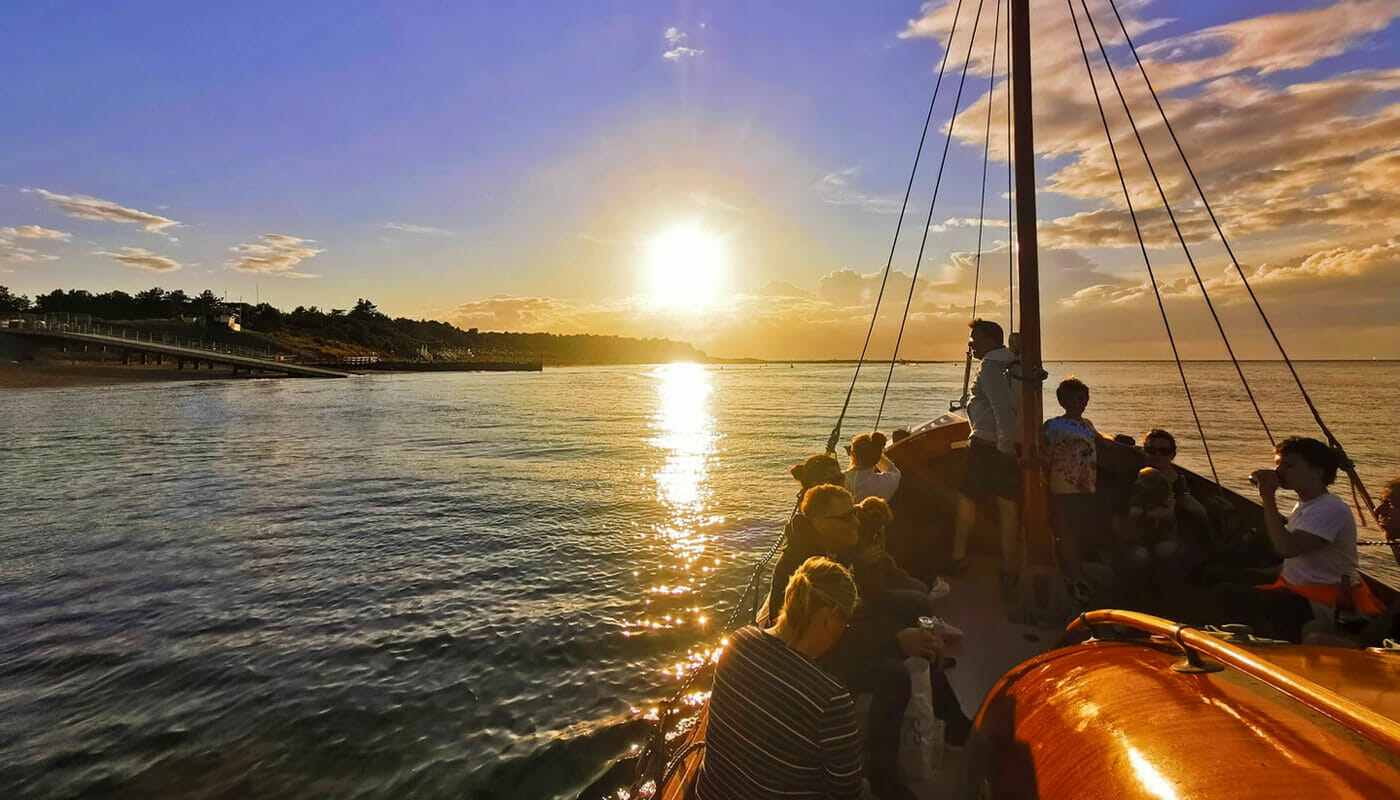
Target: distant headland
<point>361,335</point>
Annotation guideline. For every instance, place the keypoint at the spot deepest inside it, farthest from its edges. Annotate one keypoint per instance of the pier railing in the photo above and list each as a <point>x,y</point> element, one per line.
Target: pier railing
<point>66,323</point>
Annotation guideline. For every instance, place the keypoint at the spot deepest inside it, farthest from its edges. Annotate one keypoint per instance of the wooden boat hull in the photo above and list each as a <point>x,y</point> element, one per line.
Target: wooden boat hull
<point>1113,719</point>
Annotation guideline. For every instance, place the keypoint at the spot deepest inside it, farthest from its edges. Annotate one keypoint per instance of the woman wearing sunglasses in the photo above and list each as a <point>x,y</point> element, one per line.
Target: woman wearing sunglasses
<point>1160,449</point>
<point>869,657</point>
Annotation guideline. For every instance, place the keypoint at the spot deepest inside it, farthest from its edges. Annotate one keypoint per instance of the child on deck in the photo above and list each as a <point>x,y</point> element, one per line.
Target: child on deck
<point>1072,459</point>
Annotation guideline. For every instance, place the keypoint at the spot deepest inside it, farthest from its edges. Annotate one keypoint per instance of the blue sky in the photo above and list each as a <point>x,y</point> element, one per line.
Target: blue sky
<point>504,166</point>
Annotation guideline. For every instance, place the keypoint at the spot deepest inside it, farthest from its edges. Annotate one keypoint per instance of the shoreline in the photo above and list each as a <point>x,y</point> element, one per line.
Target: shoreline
<point>49,375</point>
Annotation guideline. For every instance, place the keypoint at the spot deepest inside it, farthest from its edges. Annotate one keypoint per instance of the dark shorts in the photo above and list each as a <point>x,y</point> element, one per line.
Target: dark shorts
<point>990,472</point>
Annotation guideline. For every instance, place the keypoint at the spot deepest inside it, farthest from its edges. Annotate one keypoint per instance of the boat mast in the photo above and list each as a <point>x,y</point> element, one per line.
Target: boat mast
<point>1034,510</point>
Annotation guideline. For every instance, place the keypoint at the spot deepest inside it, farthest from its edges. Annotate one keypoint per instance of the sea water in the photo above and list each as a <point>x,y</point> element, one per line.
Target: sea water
<point>448,585</point>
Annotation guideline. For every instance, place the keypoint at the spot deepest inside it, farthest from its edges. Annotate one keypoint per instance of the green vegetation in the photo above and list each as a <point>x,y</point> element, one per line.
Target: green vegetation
<point>313,334</point>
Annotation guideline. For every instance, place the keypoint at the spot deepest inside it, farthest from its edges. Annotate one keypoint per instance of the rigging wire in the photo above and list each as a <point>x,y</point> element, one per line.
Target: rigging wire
<point>986,154</point>
<point>1348,466</point>
<point>961,402</point>
<point>1132,212</point>
<point>908,189</point>
<point>938,181</point>
<point>1172,215</point>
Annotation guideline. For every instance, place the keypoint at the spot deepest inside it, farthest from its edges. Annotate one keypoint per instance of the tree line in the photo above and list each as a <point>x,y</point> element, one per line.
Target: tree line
<point>362,329</point>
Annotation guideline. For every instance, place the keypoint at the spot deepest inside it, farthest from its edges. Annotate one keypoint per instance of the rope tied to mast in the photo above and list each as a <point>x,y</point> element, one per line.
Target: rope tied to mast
<point>933,202</point>
<point>835,437</point>
<point>1349,467</point>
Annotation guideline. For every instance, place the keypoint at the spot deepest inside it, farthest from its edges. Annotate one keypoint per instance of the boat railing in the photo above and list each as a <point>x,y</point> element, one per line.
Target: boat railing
<point>1195,642</point>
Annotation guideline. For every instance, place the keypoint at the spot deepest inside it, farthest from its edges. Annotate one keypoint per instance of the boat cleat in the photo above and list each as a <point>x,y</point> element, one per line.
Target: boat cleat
<point>1241,634</point>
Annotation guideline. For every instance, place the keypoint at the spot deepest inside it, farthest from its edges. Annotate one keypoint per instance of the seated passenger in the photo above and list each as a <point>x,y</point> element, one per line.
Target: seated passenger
<point>779,725</point>
<point>870,657</point>
<point>1387,624</point>
<point>872,473</point>
<point>887,587</point>
<point>815,471</point>
<point>1160,449</point>
<point>1317,543</point>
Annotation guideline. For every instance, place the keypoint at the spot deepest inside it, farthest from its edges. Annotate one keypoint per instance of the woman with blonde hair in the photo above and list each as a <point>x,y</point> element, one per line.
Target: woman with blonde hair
<point>779,724</point>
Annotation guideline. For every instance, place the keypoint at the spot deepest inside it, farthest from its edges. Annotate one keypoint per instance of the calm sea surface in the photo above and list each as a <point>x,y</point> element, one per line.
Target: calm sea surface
<point>445,585</point>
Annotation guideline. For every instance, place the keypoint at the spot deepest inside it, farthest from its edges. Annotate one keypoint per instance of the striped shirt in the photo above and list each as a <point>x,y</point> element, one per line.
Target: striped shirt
<point>779,727</point>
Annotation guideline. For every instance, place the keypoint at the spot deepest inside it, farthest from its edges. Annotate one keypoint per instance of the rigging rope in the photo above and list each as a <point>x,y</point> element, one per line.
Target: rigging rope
<point>908,189</point>
<point>986,157</point>
<point>961,402</point>
<point>1348,466</point>
<point>1132,212</point>
<point>938,181</point>
<point>1172,216</point>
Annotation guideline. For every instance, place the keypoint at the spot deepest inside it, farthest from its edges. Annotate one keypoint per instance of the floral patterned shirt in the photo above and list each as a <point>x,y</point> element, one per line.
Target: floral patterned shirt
<point>1070,452</point>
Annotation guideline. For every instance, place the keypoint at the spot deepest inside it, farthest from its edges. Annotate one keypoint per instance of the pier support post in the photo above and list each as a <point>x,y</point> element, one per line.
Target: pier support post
<point>179,363</point>
<point>160,358</point>
<point>143,359</point>
<point>126,357</point>
<point>211,365</point>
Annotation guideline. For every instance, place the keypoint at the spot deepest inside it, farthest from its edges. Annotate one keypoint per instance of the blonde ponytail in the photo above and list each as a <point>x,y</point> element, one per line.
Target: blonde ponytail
<point>818,583</point>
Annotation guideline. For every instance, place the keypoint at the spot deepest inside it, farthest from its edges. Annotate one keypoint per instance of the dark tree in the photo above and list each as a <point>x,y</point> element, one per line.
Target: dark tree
<point>12,302</point>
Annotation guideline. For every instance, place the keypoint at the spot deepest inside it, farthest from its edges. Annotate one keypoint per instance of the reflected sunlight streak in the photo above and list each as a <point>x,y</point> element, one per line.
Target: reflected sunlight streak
<point>686,436</point>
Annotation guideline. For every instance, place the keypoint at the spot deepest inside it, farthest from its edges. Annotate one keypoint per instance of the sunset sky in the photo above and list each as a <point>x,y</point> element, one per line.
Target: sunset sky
<point>536,166</point>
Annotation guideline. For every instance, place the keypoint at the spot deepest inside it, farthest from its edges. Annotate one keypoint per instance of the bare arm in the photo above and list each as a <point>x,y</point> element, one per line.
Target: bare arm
<point>1285,542</point>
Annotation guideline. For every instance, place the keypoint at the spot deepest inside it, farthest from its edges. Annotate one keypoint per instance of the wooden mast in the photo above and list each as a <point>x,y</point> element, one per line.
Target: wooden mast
<point>1034,510</point>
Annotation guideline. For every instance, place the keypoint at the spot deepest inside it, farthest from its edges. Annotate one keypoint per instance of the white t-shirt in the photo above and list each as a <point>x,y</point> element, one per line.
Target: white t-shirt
<point>863,482</point>
<point>1326,516</point>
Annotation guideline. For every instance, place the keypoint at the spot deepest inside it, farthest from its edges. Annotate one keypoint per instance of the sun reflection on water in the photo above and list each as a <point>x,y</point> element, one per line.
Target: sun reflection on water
<point>685,436</point>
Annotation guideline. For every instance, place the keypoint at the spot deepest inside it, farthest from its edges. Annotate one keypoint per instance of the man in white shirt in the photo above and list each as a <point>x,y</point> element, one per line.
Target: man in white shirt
<point>994,413</point>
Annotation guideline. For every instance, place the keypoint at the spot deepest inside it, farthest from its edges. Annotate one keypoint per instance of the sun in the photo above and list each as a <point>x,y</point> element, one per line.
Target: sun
<point>686,265</point>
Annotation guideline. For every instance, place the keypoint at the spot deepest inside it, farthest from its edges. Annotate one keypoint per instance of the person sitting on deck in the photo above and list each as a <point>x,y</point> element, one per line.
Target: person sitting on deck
<point>1317,543</point>
<point>1072,464</point>
<point>778,724</point>
<point>870,657</point>
<point>815,471</point>
<point>867,456</point>
<point>994,414</point>
<point>1387,624</point>
<point>884,584</point>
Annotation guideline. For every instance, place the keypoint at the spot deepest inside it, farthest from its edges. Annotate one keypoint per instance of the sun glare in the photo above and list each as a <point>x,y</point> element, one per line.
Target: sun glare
<point>686,266</point>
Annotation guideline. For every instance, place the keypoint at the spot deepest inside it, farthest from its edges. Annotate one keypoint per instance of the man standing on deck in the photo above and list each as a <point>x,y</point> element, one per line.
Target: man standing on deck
<point>994,412</point>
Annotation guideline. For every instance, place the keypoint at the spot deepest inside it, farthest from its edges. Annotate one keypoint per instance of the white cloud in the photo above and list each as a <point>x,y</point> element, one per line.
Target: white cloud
<point>33,232</point>
<point>675,42</point>
<point>78,205</point>
<point>276,254</point>
<point>835,188</point>
<point>144,259</point>
<point>424,230</point>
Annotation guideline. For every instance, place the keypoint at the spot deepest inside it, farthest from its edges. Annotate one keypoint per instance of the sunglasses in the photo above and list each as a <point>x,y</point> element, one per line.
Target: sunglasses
<point>1159,451</point>
<point>846,517</point>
